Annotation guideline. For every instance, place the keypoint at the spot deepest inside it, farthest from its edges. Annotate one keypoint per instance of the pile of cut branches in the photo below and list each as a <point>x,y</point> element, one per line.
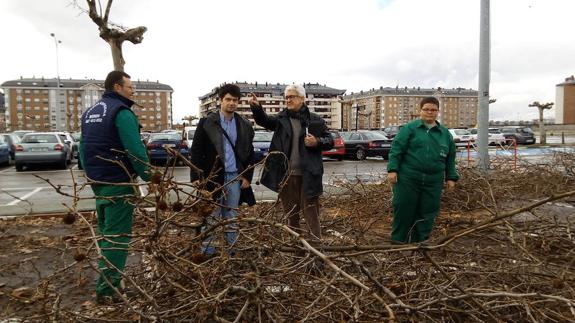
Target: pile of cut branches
<point>502,250</point>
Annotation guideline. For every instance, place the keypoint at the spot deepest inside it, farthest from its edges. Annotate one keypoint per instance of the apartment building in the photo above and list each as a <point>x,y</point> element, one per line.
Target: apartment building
<point>39,104</point>
<point>2,113</point>
<point>565,101</point>
<point>386,106</point>
<point>321,99</point>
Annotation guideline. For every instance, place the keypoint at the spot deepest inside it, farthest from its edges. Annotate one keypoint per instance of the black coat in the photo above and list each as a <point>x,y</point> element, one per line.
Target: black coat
<point>208,146</point>
<point>276,166</point>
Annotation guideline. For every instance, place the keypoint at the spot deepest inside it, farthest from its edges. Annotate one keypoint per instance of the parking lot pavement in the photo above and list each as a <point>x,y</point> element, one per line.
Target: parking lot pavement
<point>24,193</point>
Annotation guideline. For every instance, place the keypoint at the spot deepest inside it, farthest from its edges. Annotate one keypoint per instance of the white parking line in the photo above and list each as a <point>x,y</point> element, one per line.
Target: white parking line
<point>16,201</point>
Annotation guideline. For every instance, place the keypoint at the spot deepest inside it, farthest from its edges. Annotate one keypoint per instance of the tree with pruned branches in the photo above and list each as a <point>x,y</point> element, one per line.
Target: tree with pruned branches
<point>542,107</point>
<point>112,33</point>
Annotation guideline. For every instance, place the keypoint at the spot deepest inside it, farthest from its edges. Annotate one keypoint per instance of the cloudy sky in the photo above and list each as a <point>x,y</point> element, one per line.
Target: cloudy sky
<point>347,44</point>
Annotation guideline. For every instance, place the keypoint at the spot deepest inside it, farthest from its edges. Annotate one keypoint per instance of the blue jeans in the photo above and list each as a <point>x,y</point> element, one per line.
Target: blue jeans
<point>230,198</point>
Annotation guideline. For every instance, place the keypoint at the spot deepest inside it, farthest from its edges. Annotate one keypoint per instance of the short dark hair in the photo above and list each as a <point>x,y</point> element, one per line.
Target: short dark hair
<point>429,99</point>
<point>232,89</point>
<point>114,77</point>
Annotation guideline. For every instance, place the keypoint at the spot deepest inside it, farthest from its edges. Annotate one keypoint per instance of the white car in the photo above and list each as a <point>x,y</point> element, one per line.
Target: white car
<point>495,136</point>
<point>461,137</point>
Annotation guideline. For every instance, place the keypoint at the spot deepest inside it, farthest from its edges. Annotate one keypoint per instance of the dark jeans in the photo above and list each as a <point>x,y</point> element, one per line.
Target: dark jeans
<point>294,202</point>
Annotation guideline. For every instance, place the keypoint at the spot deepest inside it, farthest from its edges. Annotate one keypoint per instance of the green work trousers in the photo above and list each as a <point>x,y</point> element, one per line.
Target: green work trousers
<point>114,229</point>
<point>415,207</point>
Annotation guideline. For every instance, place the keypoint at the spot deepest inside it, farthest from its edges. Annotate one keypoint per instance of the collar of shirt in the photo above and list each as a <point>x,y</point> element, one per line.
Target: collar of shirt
<point>223,119</point>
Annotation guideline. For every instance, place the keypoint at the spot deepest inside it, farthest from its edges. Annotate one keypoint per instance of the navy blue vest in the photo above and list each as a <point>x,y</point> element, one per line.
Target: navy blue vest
<point>101,139</point>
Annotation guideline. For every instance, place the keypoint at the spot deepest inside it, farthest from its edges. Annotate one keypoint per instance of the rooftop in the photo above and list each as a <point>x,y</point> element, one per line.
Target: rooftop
<point>568,81</point>
<point>77,83</point>
<point>277,89</point>
<point>412,91</point>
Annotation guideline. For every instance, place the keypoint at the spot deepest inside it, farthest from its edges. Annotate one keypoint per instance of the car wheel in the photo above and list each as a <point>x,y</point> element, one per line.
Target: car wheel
<point>339,158</point>
<point>360,154</point>
<point>19,167</point>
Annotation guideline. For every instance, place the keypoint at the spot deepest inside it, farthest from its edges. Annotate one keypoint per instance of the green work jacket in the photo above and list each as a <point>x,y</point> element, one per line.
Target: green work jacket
<point>423,153</point>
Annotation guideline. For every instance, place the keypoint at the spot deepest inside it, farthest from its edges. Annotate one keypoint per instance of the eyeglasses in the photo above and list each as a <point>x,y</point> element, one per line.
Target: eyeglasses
<point>429,110</point>
<point>291,97</point>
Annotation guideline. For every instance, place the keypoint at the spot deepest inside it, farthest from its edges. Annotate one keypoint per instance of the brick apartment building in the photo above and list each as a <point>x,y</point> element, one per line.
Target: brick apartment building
<point>565,101</point>
<point>383,107</point>
<point>38,104</point>
<point>320,99</point>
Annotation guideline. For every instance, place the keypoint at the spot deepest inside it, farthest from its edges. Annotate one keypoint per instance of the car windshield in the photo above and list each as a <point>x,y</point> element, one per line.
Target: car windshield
<point>508,130</point>
<point>461,132</point>
<point>374,135</point>
<point>263,137</point>
<point>40,138</point>
<point>473,131</point>
<point>526,130</point>
<point>191,134</point>
<point>165,136</point>
<point>345,135</point>
<point>494,131</point>
<point>335,134</point>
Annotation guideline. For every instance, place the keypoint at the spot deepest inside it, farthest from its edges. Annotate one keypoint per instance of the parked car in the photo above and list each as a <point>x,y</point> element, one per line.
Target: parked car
<point>338,150</point>
<point>461,137</point>
<point>392,131</point>
<point>262,141</point>
<point>12,140</point>
<point>158,142</point>
<point>4,152</point>
<point>522,135</point>
<point>43,148</point>
<point>189,133</point>
<point>75,145</point>
<point>365,143</point>
<point>494,136</point>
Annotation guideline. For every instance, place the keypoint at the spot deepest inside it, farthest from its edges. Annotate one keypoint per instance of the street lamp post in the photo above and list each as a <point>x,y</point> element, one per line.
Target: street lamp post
<point>56,42</point>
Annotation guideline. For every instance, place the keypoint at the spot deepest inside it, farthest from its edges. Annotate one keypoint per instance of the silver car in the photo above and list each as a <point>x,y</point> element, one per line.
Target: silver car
<point>43,148</point>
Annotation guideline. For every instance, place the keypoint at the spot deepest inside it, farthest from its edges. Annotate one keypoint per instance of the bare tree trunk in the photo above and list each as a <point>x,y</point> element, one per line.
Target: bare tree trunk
<point>117,56</point>
<point>542,134</point>
<point>113,34</point>
<point>541,107</point>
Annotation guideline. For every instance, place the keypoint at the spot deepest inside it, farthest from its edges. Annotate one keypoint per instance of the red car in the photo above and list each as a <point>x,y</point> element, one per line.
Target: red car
<point>338,150</point>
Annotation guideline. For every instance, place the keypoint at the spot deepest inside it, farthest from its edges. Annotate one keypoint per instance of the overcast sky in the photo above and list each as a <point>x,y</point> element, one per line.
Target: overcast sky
<point>346,44</point>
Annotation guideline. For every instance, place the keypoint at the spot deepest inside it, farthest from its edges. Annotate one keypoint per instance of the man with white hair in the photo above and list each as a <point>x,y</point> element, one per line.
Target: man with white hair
<point>301,136</point>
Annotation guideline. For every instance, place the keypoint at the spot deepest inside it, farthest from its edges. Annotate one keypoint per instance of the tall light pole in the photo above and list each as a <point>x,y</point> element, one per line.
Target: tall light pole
<point>484,78</point>
<point>56,42</point>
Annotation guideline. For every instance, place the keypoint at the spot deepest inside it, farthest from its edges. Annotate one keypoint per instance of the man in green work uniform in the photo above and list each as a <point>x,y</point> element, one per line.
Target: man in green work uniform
<point>421,160</point>
<point>112,152</point>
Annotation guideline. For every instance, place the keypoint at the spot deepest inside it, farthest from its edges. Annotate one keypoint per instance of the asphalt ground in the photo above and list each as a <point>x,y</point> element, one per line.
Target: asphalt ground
<point>31,191</point>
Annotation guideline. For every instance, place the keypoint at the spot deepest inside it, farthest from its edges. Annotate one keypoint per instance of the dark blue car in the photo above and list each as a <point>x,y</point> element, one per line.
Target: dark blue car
<point>4,152</point>
<point>159,142</point>
<point>262,141</point>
